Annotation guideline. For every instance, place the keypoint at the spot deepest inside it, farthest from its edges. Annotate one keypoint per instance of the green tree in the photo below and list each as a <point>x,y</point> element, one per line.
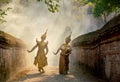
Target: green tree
<point>53,5</point>
<point>2,14</point>
<point>3,11</point>
<point>104,7</point>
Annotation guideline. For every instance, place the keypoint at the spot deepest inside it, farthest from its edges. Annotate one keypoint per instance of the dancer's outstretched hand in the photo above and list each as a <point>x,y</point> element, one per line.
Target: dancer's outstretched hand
<point>28,51</point>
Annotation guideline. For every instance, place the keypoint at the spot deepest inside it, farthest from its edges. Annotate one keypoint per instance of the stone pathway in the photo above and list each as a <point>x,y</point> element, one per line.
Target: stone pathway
<point>52,75</point>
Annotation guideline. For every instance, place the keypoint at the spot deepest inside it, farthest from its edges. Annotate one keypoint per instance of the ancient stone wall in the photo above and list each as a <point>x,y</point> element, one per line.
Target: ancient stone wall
<point>99,51</point>
<point>12,56</point>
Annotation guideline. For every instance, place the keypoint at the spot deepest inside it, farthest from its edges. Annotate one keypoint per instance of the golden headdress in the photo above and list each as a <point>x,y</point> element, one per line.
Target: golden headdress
<point>44,35</point>
<point>68,39</point>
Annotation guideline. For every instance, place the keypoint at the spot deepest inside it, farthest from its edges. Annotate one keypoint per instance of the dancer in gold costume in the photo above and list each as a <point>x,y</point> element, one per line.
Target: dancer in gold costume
<point>64,56</point>
<point>41,59</point>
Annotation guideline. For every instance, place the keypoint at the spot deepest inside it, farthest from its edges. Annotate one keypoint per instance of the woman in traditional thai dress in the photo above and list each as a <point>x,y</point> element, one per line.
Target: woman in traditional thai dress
<point>64,56</point>
<point>41,59</point>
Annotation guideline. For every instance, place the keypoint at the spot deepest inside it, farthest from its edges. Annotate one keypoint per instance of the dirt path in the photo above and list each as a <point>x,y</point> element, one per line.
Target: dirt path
<point>51,75</point>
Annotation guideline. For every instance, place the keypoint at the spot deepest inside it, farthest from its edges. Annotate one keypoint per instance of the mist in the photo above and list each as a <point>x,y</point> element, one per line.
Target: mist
<point>30,20</point>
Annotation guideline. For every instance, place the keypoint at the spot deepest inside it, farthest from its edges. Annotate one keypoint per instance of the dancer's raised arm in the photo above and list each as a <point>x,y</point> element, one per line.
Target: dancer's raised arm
<point>32,48</point>
<point>57,51</point>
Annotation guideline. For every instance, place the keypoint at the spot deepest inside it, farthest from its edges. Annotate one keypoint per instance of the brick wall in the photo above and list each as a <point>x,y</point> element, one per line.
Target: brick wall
<point>100,54</point>
<point>12,56</point>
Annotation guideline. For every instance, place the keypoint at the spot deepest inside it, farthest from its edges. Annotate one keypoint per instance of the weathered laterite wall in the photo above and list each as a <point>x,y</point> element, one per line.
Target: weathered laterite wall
<point>12,56</point>
<point>99,51</point>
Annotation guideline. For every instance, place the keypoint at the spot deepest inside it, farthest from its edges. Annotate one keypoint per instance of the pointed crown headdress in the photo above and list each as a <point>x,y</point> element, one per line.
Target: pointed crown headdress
<point>44,35</point>
<point>68,39</point>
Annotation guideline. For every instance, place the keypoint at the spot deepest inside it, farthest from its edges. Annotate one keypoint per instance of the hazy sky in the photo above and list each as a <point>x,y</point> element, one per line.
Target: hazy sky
<point>28,22</point>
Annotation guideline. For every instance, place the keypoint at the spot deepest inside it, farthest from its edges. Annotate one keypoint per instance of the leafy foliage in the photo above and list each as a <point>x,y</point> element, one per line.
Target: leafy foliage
<point>4,1</point>
<point>53,5</point>
<point>3,12</point>
<point>104,7</point>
